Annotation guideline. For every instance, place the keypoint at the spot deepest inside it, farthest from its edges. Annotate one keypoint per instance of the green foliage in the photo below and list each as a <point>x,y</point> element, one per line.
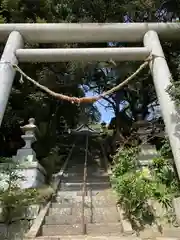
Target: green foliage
<point>125,160</point>
<point>164,173</point>
<point>166,151</point>
<point>132,190</point>
<point>52,162</point>
<point>40,20</point>
<point>2,19</point>
<point>174,91</point>
<point>26,100</point>
<point>13,199</point>
<point>174,62</point>
<point>136,187</point>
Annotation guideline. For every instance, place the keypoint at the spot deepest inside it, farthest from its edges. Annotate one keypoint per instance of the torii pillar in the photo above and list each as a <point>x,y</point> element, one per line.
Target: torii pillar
<point>162,80</point>
<point>7,73</point>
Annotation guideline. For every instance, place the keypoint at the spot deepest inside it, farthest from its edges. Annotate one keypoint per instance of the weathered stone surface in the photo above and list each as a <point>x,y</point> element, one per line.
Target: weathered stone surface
<point>100,212</point>
<point>14,231</point>
<point>78,186</point>
<point>126,225</point>
<point>171,232</point>
<point>91,179</point>
<point>84,237</point>
<point>32,211</point>
<point>73,217</point>
<point>28,213</point>
<point>55,230</point>
<point>3,231</point>
<point>105,215</point>
<point>104,228</point>
<point>103,199</point>
<point>71,197</point>
<point>31,174</point>
<point>36,227</point>
<point>176,205</point>
<point>62,209</point>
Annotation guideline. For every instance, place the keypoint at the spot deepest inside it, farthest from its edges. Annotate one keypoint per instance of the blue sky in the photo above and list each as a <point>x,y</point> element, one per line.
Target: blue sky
<point>106,114</point>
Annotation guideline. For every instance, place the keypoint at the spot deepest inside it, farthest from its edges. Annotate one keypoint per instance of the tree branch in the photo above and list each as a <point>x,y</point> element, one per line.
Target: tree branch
<point>111,102</point>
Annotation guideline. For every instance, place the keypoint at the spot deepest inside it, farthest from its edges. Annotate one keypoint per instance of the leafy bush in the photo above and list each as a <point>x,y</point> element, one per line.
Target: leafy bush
<point>52,162</point>
<point>135,187</point>
<point>125,161</point>
<point>165,150</point>
<point>133,191</point>
<point>13,199</point>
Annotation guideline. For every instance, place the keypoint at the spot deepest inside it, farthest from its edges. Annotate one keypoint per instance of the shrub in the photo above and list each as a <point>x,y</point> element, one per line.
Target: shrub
<point>135,187</point>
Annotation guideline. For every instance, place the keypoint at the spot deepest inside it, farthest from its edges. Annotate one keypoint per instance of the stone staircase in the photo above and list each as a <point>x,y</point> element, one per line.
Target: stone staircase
<point>102,219</point>
<point>100,212</point>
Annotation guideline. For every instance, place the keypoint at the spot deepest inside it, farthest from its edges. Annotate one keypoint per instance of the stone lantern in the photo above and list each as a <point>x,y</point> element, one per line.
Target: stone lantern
<point>29,131</point>
<point>26,153</point>
<point>147,150</point>
<point>33,173</point>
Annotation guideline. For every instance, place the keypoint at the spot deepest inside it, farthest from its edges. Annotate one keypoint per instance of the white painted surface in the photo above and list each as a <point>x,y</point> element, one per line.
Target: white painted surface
<point>82,54</point>
<point>89,32</point>
<point>161,77</point>
<point>7,73</point>
<point>32,172</point>
<point>33,177</point>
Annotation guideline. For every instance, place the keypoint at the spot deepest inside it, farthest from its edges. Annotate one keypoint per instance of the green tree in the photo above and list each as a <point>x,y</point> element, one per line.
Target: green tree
<point>26,100</point>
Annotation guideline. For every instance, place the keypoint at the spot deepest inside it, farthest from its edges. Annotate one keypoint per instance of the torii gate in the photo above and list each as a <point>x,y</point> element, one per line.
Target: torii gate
<point>148,33</point>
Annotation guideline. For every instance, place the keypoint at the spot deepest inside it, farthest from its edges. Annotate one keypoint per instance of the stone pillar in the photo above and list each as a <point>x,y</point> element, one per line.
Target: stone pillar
<point>162,77</point>
<point>7,72</point>
<point>32,172</point>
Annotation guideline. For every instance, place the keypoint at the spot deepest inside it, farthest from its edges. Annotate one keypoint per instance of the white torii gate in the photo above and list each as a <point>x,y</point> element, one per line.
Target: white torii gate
<point>149,33</point>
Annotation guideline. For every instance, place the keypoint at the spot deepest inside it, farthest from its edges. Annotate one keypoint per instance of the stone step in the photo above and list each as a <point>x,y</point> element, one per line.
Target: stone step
<point>105,215</point>
<point>101,237</point>
<point>71,197</point>
<point>167,232</point>
<point>91,170</point>
<point>77,202</point>
<point>55,230</point>
<point>85,237</point>
<point>61,211</point>
<point>58,208</point>
<point>80,172</point>
<point>78,179</point>
<point>79,186</point>
<point>73,215</point>
<point>78,169</point>
<point>95,198</point>
<point>76,229</point>
<point>103,201</point>
<point>104,228</point>
<point>76,197</point>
